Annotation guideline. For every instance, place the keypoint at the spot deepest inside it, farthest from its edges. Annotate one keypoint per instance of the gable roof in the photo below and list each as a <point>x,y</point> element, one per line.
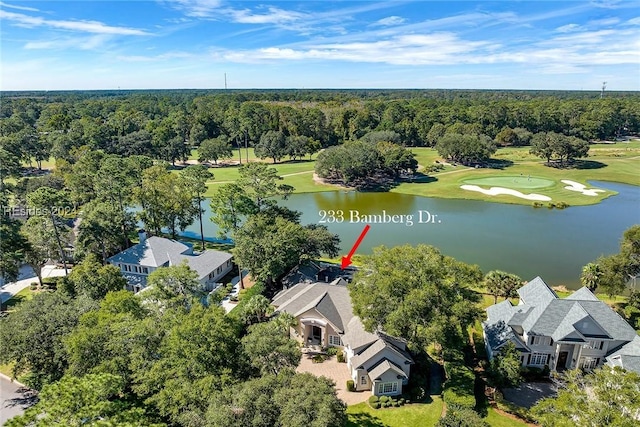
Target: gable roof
<point>383,367</point>
<point>499,333</point>
<point>355,335</point>
<point>536,292</point>
<point>204,263</point>
<point>583,294</point>
<point>627,356</point>
<point>367,358</point>
<point>577,318</point>
<point>331,300</point>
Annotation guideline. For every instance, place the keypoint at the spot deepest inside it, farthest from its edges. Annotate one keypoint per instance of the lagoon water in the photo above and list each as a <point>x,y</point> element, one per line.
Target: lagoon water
<point>551,243</point>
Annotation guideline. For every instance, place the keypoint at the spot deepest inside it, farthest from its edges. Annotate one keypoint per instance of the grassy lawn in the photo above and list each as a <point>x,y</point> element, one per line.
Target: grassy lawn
<point>415,414</point>
<point>607,162</point>
<point>495,419</point>
<point>24,295</point>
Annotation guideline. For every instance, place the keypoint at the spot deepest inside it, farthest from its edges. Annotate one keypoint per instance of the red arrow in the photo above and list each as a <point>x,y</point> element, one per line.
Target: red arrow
<point>346,260</point>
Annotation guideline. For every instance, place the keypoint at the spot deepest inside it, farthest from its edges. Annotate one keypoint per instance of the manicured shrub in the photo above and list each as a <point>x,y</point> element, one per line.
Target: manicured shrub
<point>373,399</point>
<point>332,351</point>
<point>384,399</point>
<point>351,385</point>
<point>396,404</point>
<point>340,357</point>
<point>388,404</point>
<point>537,205</point>
<point>551,205</point>
<point>33,286</point>
<point>375,405</point>
<point>562,205</point>
<point>318,358</point>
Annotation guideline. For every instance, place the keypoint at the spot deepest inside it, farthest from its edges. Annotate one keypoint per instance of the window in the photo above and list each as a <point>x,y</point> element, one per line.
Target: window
<point>539,359</point>
<point>145,270</point>
<point>363,380</point>
<point>589,363</point>
<point>334,340</point>
<point>538,340</point>
<point>594,344</point>
<point>386,388</point>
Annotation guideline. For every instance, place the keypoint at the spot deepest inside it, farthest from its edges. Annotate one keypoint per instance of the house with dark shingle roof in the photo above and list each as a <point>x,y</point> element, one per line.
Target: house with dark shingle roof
<point>376,361</point>
<point>140,260</point>
<point>579,331</point>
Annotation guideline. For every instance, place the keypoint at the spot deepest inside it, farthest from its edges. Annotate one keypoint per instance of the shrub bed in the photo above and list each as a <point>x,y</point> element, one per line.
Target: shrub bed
<point>460,385</point>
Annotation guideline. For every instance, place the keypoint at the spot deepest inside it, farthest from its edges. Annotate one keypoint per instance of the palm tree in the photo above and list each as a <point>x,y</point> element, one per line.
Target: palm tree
<point>590,277</point>
<point>500,283</point>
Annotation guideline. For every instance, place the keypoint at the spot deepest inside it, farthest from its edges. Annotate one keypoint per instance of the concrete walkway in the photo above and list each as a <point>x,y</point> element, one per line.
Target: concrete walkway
<point>226,302</point>
<point>27,276</point>
<point>14,398</point>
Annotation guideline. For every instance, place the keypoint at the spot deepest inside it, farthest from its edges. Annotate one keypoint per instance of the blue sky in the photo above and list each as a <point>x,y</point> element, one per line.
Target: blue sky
<point>573,45</point>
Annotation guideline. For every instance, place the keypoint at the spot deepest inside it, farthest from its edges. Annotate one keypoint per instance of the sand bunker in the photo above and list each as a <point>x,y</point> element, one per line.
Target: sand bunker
<point>495,191</point>
<point>580,188</point>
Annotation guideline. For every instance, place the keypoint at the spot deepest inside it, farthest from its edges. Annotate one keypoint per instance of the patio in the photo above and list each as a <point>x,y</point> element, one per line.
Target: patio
<point>338,372</point>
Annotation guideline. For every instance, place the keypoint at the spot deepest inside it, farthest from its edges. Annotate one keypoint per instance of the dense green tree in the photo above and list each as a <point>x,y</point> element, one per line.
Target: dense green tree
<point>416,293</point>
<point>259,182</point>
<point>199,354</point>
<point>215,149</point>
<point>299,146</point>
<point>13,247</point>
<point>381,136</point>
<point>81,180</point>
<point>94,280</point>
<point>229,205</point>
<point>195,178</point>
<point>272,144</point>
<point>604,397</point>
<point>108,339</point>
<point>501,284</point>
<point>101,227</point>
<point>285,400</point>
<point>93,400</point>
<point>32,336</point>
<point>270,246</point>
<point>53,204</point>
<point>269,349</point>
<point>555,146</point>
<point>504,368</point>
<point>42,243</point>
<point>590,276</point>
<point>465,148</point>
<point>256,309</point>
<point>174,286</point>
<point>166,201</point>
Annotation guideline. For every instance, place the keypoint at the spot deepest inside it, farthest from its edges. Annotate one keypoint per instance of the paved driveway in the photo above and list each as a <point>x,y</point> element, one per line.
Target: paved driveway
<point>527,394</point>
<point>339,373</point>
<point>14,399</point>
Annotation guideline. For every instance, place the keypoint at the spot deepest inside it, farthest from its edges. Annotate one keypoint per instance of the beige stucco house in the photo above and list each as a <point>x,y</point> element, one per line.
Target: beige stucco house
<point>376,361</point>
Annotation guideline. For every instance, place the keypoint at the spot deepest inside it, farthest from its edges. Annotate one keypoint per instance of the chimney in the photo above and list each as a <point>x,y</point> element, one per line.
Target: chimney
<point>142,235</point>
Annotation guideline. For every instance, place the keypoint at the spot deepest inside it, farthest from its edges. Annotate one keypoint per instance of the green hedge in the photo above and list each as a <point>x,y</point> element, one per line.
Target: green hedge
<point>459,387</point>
<point>351,385</point>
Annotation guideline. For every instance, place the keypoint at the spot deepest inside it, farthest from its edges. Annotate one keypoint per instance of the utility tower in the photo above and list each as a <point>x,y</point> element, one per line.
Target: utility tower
<point>604,86</point>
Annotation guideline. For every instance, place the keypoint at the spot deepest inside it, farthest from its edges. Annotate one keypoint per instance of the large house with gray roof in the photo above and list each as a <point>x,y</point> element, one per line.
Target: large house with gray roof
<point>137,262</point>
<point>376,361</point>
<point>579,331</point>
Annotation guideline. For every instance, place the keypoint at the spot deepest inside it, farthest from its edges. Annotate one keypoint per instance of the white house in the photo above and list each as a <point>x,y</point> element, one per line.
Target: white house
<point>377,362</point>
<point>579,331</point>
<point>137,262</point>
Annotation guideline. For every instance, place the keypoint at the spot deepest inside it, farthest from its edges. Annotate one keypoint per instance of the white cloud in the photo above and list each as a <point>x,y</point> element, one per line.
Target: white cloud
<point>634,21</point>
<point>273,15</point>
<point>568,28</point>
<point>94,27</point>
<point>389,21</point>
<point>196,8</point>
<point>11,6</point>
<point>83,43</point>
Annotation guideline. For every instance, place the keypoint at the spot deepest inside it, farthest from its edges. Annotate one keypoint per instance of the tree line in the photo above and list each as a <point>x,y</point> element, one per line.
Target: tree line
<point>167,124</point>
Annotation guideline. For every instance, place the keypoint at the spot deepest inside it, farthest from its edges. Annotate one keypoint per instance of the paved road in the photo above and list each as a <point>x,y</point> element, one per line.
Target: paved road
<point>27,276</point>
<point>14,399</point>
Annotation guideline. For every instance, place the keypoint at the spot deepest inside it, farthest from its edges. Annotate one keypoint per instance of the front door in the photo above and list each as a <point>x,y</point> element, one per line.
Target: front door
<point>562,360</point>
<point>316,333</point>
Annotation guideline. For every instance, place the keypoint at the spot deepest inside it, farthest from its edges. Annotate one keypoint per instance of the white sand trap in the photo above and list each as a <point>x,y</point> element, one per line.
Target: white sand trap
<point>495,191</point>
<point>581,188</point>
